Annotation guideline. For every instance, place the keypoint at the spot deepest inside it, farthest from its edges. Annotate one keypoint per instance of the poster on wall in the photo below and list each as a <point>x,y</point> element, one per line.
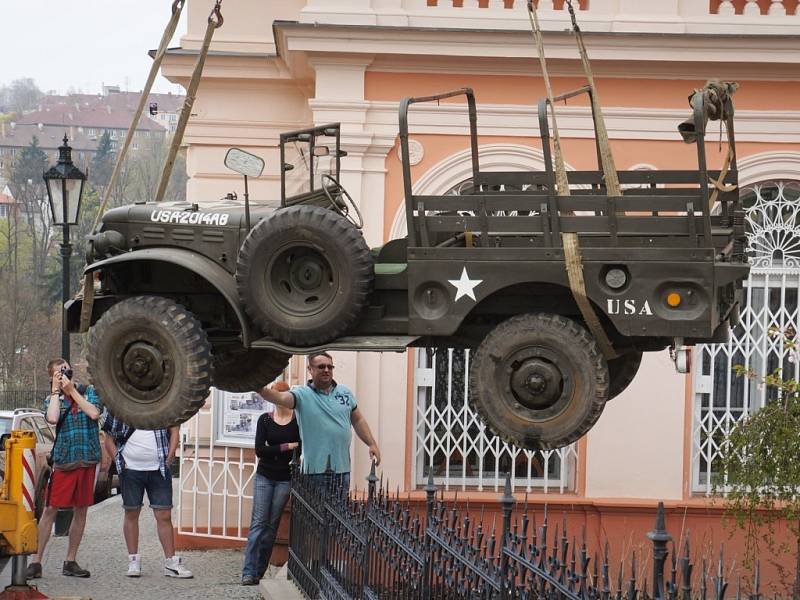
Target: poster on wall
<point>237,415</point>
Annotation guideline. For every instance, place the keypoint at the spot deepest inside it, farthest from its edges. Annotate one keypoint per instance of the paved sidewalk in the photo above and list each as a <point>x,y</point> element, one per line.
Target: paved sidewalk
<point>102,551</point>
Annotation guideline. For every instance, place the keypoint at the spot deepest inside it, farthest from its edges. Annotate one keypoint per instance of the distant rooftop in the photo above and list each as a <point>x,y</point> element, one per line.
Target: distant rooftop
<point>111,110</point>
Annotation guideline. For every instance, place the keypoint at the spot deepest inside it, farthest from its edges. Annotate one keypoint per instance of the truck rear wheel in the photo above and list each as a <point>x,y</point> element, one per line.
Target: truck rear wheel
<point>621,372</point>
<point>304,275</point>
<point>150,361</point>
<point>539,381</point>
<point>247,370</point>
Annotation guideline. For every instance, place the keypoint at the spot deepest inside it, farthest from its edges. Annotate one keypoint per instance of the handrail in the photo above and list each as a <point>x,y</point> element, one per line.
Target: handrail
<point>405,103</point>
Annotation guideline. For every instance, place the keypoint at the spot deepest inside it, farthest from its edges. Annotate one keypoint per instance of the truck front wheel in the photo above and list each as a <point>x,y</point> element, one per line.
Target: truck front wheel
<point>539,381</point>
<point>150,361</point>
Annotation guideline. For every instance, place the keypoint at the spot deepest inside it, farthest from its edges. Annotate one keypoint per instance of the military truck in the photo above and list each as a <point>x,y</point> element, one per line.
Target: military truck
<point>187,297</point>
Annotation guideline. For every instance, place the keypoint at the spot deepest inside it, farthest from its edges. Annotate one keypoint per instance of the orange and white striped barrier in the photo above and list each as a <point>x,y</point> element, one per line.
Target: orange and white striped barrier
<point>29,480</point>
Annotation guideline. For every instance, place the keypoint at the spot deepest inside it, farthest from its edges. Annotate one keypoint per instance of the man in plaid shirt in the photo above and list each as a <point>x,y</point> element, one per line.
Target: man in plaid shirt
<point>74,410</point>
<point>143,459</point>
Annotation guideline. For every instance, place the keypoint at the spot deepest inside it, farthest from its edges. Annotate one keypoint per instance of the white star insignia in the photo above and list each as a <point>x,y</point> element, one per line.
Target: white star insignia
<point>465,286</point>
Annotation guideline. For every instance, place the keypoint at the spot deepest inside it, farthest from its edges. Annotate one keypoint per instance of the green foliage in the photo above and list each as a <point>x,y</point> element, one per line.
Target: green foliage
<point>30,164</point>
<point>103,161</point>
<point>761,467</point>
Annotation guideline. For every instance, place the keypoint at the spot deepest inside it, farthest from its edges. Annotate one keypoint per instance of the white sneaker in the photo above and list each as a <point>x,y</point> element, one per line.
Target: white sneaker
<point>173,567</point>
<point>134,565</point>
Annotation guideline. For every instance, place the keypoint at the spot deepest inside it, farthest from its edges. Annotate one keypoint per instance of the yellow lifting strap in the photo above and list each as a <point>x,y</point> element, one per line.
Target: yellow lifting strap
<point>169,31</point>
<point>572,251</point>
<point>215,21</point>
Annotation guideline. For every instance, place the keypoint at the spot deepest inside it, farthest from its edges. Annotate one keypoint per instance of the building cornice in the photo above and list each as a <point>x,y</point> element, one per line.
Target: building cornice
<point>515,120</point>
<point>629,47</point>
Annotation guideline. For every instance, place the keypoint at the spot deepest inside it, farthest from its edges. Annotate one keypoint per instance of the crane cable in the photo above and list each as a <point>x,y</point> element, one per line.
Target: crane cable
<point>572,251</point>
<point>215,21</point>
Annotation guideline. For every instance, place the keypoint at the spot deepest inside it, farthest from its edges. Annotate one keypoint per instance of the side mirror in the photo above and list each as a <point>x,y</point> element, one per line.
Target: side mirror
<point>3,439</point>
<point>244,163</point>
<point>320,151</point>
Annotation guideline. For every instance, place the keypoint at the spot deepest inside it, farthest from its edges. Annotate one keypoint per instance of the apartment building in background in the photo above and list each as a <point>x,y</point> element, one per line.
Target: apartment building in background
<point>84,118</point>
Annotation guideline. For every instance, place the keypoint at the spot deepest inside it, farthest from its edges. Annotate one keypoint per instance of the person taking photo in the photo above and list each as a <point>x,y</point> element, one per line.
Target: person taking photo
<point>74,410</point>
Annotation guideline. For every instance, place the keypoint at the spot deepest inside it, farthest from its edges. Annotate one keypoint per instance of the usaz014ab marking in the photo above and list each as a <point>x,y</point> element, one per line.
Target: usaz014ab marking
<point>183,217</point>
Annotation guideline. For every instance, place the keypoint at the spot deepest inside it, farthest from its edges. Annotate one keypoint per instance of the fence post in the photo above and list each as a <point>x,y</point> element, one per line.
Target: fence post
<point>507,501</point>
<point>430,495</point>
<point>372,479</point>
<point>327,518</point>
<point>659,537</point>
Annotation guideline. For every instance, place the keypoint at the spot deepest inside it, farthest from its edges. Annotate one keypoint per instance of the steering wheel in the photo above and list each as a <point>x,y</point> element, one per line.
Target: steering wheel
<point>342,203</point>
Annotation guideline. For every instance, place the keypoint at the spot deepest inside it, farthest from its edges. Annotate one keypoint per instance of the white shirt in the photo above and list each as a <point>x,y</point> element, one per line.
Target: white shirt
<point>141,451</point>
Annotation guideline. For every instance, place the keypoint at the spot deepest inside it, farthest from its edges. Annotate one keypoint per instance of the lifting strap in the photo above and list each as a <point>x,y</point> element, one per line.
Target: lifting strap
<point>572,251</point>
<point>169,31</point>
<point>215,20</point>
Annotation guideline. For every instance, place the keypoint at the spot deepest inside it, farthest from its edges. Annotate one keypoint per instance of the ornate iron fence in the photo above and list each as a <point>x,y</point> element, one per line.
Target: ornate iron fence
<point>344,546</point>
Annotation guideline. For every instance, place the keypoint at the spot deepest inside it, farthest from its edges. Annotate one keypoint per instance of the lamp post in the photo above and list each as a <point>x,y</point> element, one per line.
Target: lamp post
<point>64,184</point>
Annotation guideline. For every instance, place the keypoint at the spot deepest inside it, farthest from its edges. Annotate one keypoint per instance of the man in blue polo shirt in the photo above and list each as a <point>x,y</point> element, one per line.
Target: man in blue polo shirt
<point>325,411</point>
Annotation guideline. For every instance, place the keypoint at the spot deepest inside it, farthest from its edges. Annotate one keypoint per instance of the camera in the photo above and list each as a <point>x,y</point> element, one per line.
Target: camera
<point>66,372</point>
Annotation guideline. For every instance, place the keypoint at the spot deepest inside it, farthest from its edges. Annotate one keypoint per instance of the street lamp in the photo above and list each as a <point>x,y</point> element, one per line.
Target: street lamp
<point>64,190</point>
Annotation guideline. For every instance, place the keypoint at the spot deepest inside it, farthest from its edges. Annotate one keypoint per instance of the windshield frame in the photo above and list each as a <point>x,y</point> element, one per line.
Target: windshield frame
<point>309,137</point>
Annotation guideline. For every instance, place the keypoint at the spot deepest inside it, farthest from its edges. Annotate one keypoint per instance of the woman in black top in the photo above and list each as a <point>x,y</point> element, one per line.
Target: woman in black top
<point>277,436</point>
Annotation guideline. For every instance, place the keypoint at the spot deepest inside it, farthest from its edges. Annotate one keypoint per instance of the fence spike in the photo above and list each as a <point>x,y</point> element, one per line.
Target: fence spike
<point>757,582</point>
<point>704,586</point>
<point>686,571</point>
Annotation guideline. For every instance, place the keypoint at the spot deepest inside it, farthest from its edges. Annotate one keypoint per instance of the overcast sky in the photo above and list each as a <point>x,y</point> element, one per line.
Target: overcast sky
<point>83,44</point>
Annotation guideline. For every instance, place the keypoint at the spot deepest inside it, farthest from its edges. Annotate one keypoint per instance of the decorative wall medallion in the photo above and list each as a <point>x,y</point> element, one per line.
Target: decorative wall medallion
<point>415,152</point>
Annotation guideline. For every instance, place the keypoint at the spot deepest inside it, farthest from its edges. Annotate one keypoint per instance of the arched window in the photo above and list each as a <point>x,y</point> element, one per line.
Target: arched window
<point>770,307</point>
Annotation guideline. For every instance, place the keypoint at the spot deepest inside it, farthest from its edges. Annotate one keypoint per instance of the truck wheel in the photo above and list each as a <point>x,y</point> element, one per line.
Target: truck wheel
<point>621,371</point>
<point>150,361</point>
<point>304,275</point>
<point>539,381</point>
<point>246,370</point>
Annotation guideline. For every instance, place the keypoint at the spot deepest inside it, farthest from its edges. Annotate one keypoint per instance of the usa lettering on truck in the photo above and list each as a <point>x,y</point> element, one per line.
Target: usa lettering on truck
<point>182,217</point>
<point>628,306</point>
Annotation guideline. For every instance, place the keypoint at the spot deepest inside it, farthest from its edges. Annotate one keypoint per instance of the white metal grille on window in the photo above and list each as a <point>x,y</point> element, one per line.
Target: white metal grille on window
<point>451,441</point>
<point>770,309</point>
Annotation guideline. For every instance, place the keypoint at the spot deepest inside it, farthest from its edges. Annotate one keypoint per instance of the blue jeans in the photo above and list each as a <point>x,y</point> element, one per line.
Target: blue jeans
<point>269,498</point>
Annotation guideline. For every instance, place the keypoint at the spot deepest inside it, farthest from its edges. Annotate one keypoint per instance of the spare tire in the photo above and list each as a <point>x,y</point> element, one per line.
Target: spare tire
<point>304,275</point>
<point>246,370</point>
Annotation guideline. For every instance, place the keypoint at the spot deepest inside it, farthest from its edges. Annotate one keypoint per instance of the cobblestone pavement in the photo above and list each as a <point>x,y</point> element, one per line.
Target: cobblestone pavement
<point>102,551</point>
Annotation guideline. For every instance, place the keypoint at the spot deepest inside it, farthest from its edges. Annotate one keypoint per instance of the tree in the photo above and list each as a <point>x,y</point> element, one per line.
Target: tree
<point>103,161</point>
<point>21,95</point>
<point>146,165</point>
<point>28,188</point>
<point>762,470</point>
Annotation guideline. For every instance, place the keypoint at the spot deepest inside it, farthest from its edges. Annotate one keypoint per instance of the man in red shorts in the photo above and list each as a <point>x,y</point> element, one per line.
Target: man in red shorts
<point>74,410</point>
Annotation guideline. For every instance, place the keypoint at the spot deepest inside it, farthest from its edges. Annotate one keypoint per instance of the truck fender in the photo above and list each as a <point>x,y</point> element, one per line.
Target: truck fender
<point>199,265</point>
